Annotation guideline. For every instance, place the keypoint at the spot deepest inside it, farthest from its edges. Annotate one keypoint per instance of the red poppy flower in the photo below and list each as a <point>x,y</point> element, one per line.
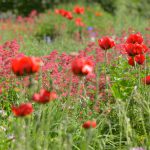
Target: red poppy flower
<point>69,15</point>
<point>106,43</point>
<point>44,96</point>
<point>139,59</point>
<point>82,66</point>
<point>63,12</point>
<point>78,22</point>
<point>135,38</point>
<point>145,48</point>
<point>89,124</point>
<point>135,49</point>
<point>25,65</point>
<point>146,80</point>
<point>22,110</point>
<point>131,61</point>
<point>129,48</point>
<point>79,10</point>
<point>140,48</point>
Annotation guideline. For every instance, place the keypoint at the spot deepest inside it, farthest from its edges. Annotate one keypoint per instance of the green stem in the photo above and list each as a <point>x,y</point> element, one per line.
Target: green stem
<point>80,33</point>
<point>106,88</point>
<point>139,72</point>
<point>97,79</point>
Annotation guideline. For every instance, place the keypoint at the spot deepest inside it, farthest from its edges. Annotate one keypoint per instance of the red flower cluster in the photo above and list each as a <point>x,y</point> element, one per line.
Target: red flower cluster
<point>106,43</point>
<point>135,49</point>
<point>89,124</point>
<point>79,10</point>
<point>44,96</point>
<point>139,59</point>
<point>64,13</point>
<point>22,110</point>
<point>69,16</point>
<point>82,66</point>
<point>26,108</point>
<point>25,65</point>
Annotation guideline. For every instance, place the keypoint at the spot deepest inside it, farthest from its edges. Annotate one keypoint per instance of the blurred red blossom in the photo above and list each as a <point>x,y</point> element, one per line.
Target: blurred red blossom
<point>79,10</point>
<point>22,110</point>
<point>79,22</point>
<point>44,96</point>
<point>82,66</point>
<point>89,124</point>
<point>69,15</point>
<point>135,49</point>
<point>106,43</point>
<point>139,59</point>
<point>135,38</point>
<point>146,80</point>
<point>25,65</point>
<point>131,61</point>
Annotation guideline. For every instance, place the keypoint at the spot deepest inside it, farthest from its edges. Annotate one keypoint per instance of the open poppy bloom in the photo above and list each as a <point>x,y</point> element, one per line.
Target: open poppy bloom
<point>44,96</point>
<point>79,10</point>
<point>25,65</point>
<point>135,49</point>
<point>89,124</point>
<point>106,43</point>
<point>22,110</point>
<point>135,38</point>
<point>82,66</point>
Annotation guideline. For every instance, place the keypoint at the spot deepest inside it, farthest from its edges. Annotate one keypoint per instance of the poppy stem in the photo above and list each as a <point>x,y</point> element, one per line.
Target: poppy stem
<point>79,86</point>
<point>145,68</point>
<point>97,79</point>
<point>80,33</point>
<point>106,83</point>
<point>139,72</point>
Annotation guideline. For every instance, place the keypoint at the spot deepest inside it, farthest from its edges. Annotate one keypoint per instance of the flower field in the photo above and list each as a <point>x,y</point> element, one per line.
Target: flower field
<point>74,77</point>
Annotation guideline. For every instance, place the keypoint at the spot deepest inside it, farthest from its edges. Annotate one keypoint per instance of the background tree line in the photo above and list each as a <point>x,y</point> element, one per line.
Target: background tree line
<point>23,7</point>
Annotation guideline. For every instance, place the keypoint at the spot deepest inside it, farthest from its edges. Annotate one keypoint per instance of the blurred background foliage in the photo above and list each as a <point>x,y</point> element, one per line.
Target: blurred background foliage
<point>23,7</point>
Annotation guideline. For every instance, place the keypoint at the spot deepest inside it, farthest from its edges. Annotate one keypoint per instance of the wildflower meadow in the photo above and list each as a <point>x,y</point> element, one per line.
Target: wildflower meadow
<point>74,75</point>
